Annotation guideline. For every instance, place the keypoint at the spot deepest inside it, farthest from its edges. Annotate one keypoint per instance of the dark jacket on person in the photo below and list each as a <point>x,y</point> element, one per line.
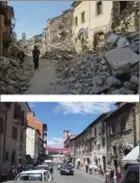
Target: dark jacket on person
<point>36,53</point>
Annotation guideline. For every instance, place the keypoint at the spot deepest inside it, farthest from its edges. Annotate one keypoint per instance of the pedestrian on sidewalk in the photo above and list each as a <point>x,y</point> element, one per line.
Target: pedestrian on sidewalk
<point>36,54</point>
<point>19,168</point>
<point>107,175</point>
<point>112,176</point>
<point>90,169</point>
<point>86,166</point>
<point>119,175</point>
<point>12,173</point>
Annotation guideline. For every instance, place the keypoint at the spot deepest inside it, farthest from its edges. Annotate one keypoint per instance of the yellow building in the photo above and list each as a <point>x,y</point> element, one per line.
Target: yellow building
<point>90,17</point>
<point>93,19</point>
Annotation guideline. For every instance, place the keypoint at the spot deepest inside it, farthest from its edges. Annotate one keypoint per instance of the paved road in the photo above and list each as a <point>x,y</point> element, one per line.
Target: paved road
<point>79,177</point>
<point>43,78</point>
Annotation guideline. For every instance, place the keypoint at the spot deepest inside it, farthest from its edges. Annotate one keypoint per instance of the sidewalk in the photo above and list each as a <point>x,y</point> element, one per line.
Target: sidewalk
<point>93,174</point>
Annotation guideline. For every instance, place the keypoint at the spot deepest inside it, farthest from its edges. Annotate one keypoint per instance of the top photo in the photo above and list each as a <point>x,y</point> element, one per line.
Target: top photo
<point>69,47</point>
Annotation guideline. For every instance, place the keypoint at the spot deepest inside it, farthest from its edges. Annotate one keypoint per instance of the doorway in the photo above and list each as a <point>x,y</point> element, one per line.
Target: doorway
<point>13,158</point>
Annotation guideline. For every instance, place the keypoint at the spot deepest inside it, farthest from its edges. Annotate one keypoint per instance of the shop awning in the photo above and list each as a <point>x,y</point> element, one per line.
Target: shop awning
<point>132,157</point>
<point>7,38</point>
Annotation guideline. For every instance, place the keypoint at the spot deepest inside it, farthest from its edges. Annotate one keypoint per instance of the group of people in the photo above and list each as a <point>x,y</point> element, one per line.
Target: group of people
<point>35,54</point>
<point>111,174</point>
<point>14,171</point>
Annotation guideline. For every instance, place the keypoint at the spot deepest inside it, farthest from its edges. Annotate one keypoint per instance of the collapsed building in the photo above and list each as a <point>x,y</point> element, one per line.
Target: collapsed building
<point>58,34</point>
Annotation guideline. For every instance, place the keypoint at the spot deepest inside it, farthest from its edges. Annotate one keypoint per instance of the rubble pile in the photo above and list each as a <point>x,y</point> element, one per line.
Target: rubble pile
<point>14,77</point>
<point>113,71</point>
<point>58,54</point>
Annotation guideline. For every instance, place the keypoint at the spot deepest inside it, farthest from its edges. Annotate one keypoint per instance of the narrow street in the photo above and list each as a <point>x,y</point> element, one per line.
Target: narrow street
<point>79,177</point>
<point>41,83</point>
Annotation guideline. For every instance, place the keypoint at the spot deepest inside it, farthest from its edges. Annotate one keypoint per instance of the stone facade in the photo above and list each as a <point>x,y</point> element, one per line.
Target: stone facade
<point>12,135</point>
<point>125,16</point>
<point>6,26</point>
<point>90,145</point>
<point>120,133</point>
<point>107,139</point>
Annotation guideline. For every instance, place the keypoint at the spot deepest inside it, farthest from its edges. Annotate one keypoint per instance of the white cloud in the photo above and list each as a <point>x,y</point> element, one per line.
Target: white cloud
<point>83,107</point>
<point>55,142</point>
<point>31,105</point>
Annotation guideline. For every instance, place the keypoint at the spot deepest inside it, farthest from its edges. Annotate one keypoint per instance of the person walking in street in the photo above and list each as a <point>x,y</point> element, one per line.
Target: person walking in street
<point>90,169</point>
<point>36,54</point>
<point>86,166</point>
<point>107,175</point>
<point>12,173</point>
<point>112,176</point>
<point>19,168</point>
<point>119,175</point>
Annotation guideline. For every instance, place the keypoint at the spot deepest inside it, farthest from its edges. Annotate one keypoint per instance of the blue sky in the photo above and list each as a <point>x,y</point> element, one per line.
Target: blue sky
<point>67,116</point>
<point>31,16</point>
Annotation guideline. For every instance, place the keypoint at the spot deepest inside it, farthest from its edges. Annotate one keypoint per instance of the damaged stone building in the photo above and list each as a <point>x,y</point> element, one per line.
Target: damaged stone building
<point>109,138</point>
<point>7,25</point>
<point>120,129</point>
<point>58,30</point>
<point>93,20</point>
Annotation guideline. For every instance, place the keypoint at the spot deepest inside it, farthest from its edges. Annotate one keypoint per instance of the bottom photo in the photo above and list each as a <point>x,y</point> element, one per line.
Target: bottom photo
<point>69,142</point>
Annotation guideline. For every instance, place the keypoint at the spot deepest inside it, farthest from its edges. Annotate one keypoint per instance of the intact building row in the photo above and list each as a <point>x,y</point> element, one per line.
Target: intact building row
<point>107,139</point>
<point>22,136</point>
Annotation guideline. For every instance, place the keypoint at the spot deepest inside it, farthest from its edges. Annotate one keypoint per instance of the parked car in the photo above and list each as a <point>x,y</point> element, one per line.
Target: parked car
<point>67,169</point>
<point>35,175</point>
<point>132,174</point>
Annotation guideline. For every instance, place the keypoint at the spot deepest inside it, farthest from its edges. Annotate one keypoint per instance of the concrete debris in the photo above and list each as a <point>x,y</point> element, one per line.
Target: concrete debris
<point>59,54</point>
<point>14,77</point>
<point>135,46</point>
<point>119,58</point>
<point>112,39</point>
<point>114,71</point>
<point>122,42</point>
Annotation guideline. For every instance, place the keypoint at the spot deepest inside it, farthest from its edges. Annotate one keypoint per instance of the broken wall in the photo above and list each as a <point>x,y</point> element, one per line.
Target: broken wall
<point>125,16</point>
<point>60,32</point>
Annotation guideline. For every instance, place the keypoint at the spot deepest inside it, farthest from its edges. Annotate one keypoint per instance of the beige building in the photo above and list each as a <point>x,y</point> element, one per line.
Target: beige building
<point>12,134</point>
<point>94,19</point>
